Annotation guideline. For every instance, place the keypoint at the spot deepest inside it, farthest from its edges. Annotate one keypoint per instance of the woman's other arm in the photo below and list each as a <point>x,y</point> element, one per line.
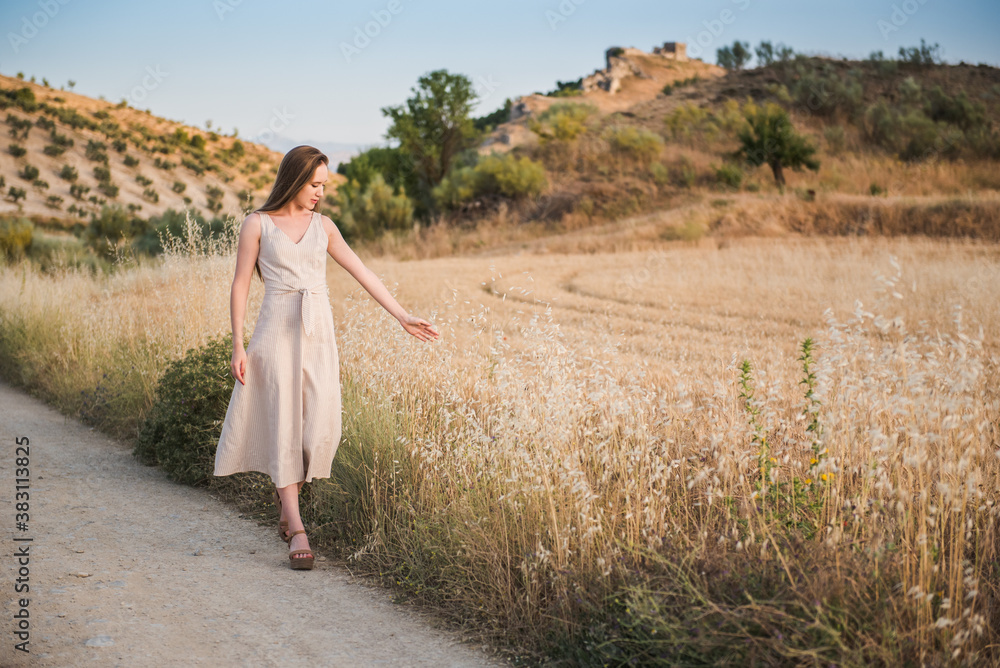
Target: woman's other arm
<point>246,257</point>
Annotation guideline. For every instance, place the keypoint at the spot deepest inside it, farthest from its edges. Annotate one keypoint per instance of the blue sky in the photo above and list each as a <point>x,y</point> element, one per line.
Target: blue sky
<point>270,68</point>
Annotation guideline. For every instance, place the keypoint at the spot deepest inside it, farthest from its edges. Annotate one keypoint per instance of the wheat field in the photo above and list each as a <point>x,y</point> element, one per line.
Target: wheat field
<point>601,423</point>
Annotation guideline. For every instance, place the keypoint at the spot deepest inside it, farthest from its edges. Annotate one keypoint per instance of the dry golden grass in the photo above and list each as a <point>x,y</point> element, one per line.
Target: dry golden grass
<point>580,409</point>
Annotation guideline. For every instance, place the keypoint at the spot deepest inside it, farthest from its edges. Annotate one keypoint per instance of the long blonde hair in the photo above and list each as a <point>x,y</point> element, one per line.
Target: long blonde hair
<point>294,172</point>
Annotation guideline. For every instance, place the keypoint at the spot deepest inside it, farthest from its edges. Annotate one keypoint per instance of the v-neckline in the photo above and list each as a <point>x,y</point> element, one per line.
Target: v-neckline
<point>294,243</point>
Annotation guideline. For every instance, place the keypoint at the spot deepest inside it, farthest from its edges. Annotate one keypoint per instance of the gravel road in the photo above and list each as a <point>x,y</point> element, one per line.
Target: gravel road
<point>126,568</point>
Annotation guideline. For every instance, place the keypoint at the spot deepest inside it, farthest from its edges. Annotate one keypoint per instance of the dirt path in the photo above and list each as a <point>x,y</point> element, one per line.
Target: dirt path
<point>173,576</point>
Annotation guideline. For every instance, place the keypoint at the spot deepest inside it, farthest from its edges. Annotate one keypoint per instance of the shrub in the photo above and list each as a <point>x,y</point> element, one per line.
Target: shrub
<point>45,123</point>
<point>15,236</point>
<point>836,138</point>
<point>108,189</point>
<point>131,161</point>
<point>54,201</point>
<point>60,140</point>
<point>367,213</point>
<point>39,183</point>
<point>193,166</point>
<point>684,174</point>
<point>151,195</point>
<point>119,145</point>
<point>689,121</point>
<point>958,110</point>
<point>563,121</point>
<point>510,176</point>
<point>638,144</point>
<point>16,150</point>
<point>501,175</point>
<point>53,150</point>
<point>182,428</point>
<point>15,194</point>
<point>729,176</point>
<point>28,173</point>
<point>102,173</point>
<point>660,174</point>
<point>78,190</point>
<point>824,92</point>
<point>96,151</point>
<point>179,187</point>
<point>142,180</point>
<point>111,226</point>
<point>68,173</point>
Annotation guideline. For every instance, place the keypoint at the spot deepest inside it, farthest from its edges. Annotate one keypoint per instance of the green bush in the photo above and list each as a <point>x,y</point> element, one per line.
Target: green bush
<point>53,150</point>
<point>638,144</point>
<point>729,176</point>
<point>78,190</point>
<point>28,173</point>
<point>16,150</point>
<point>563,121</point>
<point>15,194</point>
<point>96,151</point>
<point>108,189</point>
<point>131,161</point>
<point>367,213</point>
<point>689,122</point>
<point>151,195</point>
<point>60,140</point>
<point>179,186</point>
<point>142,180</point>
<point>102,174</point>
<point>510,176</point>
<point>68,173</point>
<point>958,110</point>
<point>15,236</point>
<point>182,428</point>
<point>660,174</point>
<point>498,175</point>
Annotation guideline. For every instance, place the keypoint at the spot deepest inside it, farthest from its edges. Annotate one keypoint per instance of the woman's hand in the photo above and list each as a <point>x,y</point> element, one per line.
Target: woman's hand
<point>419,327</point>
<point>238,366</point>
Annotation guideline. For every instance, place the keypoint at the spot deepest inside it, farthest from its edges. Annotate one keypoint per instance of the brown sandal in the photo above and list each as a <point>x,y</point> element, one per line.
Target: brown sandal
<point>300,563</point>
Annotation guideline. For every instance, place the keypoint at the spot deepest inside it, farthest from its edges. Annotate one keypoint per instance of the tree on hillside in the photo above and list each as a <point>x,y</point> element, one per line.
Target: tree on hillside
<point>733,57</point>
<point>434,125</point>
<point>769,139</point>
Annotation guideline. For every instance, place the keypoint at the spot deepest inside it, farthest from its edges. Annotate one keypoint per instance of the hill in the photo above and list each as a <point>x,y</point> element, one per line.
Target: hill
<point>68,155</point>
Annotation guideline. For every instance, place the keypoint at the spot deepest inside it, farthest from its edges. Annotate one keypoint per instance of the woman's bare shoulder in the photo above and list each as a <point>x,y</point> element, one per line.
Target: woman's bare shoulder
<point>329,226</point>
<point>251,222</point>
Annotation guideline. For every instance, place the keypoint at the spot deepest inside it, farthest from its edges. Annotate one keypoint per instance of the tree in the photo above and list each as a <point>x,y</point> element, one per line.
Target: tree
<point>434,125</point>
<point>765,53</point>
<point>769,139</point>
<point>733,57</point>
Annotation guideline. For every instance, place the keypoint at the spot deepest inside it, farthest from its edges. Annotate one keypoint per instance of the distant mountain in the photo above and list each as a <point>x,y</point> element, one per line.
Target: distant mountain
<point>337,152</point>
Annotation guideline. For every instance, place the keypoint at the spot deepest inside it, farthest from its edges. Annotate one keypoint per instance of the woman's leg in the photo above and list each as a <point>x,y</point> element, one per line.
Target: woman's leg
<point>290,512</point>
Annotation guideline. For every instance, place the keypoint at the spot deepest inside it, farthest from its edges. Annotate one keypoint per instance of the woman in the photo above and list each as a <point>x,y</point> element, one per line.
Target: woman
<point>284,414</point>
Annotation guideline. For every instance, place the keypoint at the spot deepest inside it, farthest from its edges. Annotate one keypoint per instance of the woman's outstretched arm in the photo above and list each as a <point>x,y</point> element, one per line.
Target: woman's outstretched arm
<point>349,260</point>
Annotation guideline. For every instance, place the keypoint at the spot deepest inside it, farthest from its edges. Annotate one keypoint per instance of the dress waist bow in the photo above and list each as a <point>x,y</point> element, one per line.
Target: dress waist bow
<point>308,296</point>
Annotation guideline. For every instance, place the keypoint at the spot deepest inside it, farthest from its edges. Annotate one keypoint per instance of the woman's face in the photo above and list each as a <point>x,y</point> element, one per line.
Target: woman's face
<point>312,192</point>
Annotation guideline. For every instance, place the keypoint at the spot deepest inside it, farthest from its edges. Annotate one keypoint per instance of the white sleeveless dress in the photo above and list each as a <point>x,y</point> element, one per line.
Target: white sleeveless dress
<point>286,420</point>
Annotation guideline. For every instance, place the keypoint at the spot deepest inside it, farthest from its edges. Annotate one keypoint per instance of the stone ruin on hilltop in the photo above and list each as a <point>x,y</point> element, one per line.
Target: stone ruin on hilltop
<point>620,66</point>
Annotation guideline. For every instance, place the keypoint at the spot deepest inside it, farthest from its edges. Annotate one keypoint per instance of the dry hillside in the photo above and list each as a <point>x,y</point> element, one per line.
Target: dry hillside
<point>155,164</point>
